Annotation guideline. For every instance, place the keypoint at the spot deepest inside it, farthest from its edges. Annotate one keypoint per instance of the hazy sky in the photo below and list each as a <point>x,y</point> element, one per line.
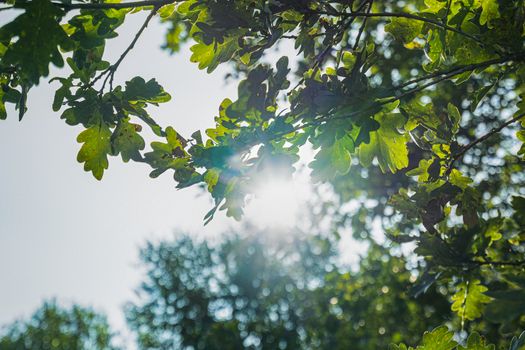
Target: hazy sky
<point>64,234</point>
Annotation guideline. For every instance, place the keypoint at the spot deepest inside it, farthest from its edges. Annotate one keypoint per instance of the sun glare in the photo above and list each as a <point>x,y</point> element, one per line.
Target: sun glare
<point>277,203</point>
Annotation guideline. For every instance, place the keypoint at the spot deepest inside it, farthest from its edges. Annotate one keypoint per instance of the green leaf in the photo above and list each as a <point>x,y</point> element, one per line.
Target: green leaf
<point>422,170</point>
<point>211,177</point>
<point>81,112</point>
<point>439,339</point>
<point>399,347</point>
<point>8,94</point>
<point>478,96</point>
<point>476,342</point>
<point>435,5</point>
<point>493,230</point>
<point>388,144</point>
<point>459,180</point>
<point>436,49</point>
<point>62,93</point>
<point>468,51</point>
<point>170,155</point>
<point>39,36</point>
<point>348,59</point>
<point>521,136</point>
<point>210,56</point>
<point>469,300</point>
<point>404,29</point>
<point>490,11</point>
<point>454,117</point>
<point>518,204</point>
<point>126,141</point>
<point>3,113</point>
<point>137,89</point>
<point>95,149</point>
<point>507,305</point>
<point>333,160</point>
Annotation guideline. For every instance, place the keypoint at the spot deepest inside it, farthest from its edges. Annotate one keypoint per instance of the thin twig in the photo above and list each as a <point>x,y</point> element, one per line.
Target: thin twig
<point>110,71</point>
<point>445,18</point>
<point>462,69</point>
<point>483,138</point>
<point>500,263</point>
<point>444,75</point>
<point>405,15</point>
<point>115,66</point>
<point>362,28</point>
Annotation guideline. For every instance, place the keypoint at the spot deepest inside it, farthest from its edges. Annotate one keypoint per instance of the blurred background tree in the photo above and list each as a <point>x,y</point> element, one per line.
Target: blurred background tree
<point>277,290</point>
<point>56,327</point>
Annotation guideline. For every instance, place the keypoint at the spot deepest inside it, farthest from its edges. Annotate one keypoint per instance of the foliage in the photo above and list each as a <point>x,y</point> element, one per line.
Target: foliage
<point>415,106</point>
<point>54,327</point>
<point>441,339</point>
<point>259,291</point>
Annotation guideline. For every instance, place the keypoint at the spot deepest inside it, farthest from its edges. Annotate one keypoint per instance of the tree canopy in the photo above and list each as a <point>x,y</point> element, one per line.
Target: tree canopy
<point>259,291</point>
<point>56,327</point>
<point>414,110</point>
<point>262,291</point>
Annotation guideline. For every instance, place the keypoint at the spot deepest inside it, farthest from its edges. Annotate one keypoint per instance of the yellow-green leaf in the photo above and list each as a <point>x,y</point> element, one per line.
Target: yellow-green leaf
<point>469,300</point>
<point>388,144</point>
<point>95,149</point>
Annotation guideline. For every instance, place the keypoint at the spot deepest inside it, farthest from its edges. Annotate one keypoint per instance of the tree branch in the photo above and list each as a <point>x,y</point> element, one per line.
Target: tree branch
<point>500,263</point>
<point>110,71</point>
<point>115,66</point>
<point>450,73</point>
<point>462,69</point>
<point>363,25</point>
<point>97,6</point>
<point>483,138</point>
<point>116,5</point>
<point>404,15</point>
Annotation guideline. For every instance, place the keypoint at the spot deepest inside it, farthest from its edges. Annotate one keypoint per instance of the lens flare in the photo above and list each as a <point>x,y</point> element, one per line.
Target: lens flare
<point>277,203</point>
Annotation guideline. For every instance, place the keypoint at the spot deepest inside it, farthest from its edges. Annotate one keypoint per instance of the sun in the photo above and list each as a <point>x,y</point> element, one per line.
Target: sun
<point>277,203</point>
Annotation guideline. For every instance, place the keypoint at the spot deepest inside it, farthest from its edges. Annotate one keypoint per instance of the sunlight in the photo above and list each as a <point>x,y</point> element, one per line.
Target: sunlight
<point>277,203</point>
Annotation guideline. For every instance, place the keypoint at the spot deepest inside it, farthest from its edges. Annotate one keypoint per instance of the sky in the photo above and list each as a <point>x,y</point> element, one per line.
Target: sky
<point>64,234</point>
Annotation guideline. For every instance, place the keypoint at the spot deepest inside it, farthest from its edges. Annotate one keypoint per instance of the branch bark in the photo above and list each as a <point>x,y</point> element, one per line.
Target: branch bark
<point>117,5</point>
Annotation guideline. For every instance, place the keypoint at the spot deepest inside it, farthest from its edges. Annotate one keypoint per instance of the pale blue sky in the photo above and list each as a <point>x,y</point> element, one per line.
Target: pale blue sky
<point>62,233</point>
